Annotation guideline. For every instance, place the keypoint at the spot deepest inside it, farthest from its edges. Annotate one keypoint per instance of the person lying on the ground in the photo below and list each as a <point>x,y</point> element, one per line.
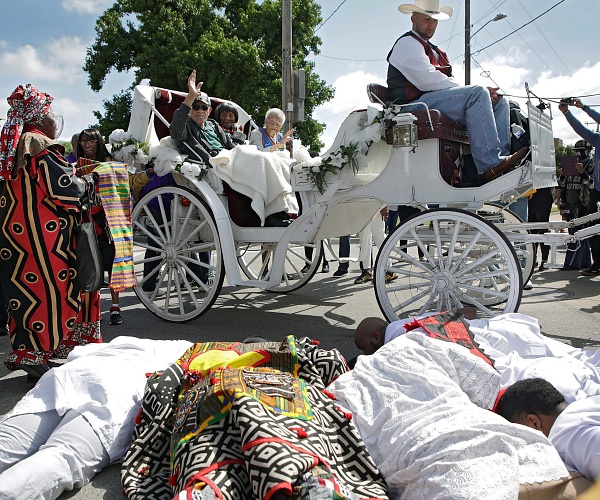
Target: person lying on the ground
<point>79,418</point>
<point>248,420</point>
<point>421,407</point>
<point>516,346</point>
<point>573,428</point>
<point>195,134</point>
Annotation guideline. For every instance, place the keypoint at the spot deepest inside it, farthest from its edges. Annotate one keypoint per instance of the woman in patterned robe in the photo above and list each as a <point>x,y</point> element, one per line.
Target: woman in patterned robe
<point>39,200</point>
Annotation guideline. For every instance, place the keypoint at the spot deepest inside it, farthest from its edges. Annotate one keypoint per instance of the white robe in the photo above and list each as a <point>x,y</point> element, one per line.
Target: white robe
<point>520,351</point>
<point>418,404</point>
<point>104,383</point>
<point>576,436</point>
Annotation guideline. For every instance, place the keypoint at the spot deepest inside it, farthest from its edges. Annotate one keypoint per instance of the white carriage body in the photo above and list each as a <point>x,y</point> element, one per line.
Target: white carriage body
<point>385,176</point>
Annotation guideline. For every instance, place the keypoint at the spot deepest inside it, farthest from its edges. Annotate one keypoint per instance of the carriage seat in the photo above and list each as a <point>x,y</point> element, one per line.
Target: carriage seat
<point>443,127</point>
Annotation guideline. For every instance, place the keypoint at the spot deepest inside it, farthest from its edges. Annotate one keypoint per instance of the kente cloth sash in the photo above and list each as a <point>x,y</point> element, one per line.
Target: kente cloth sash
<point>449,326</point>
<point>113,189</point>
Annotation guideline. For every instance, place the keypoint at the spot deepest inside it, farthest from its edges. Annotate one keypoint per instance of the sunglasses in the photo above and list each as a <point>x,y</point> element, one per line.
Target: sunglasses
<point>88,142</point>
<point>196,107</point>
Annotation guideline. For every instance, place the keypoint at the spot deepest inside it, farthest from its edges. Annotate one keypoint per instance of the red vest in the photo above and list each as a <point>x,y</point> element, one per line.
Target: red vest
<point>401,90</point>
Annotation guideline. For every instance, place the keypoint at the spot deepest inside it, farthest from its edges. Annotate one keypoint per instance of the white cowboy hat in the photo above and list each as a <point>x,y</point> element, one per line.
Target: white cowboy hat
<point>429,7</point>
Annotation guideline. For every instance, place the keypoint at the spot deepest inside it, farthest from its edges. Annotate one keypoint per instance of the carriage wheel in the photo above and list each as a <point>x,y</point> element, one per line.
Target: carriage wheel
<point>255,262</point>
<point>525,251</point>
<point>177,254</point>
<point>447,259</point>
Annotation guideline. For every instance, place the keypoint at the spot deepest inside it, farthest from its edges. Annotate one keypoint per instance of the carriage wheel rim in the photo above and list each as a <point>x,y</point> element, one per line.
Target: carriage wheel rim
<point>183,291</point>
<point>476,268</point>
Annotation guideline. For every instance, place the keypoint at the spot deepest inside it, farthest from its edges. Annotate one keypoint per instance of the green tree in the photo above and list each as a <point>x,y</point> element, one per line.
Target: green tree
<point>116,113</point>
<point>235,46</point>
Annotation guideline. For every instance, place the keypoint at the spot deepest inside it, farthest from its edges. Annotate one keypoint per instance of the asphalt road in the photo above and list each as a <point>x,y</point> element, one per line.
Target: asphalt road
<point>327,309</point>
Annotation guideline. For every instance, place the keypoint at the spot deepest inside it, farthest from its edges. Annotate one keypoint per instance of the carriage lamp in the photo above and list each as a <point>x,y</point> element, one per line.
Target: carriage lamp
<point>404,135</point>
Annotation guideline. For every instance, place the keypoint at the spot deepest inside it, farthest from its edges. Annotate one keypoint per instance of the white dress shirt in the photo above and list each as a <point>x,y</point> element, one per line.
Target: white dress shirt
<point>408,56</point>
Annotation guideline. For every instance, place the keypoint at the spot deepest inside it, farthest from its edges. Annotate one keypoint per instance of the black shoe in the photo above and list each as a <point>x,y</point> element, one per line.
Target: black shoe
<point>325,268</point>
<point>592,271</point>
<point>365,277</point>
<point>305,269</point>
<point>543,266</point>
<point>115,316</point>
<point>340,272</point>
<point>389,277</point>
<point>275,221</point>
<point>34,372</point>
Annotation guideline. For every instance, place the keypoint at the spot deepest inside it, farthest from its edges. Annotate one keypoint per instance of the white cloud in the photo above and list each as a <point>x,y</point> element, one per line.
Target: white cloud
<point>350,94</point>
<point>59,60</point>
<point>86,6</point>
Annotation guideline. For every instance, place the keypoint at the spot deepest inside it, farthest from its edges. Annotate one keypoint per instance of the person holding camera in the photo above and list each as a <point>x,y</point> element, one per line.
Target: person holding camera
<point>594,139</point>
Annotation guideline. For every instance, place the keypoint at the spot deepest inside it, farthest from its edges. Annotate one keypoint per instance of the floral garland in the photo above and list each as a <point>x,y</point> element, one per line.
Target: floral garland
<point>165,158</point>
<point>358,146</point>
<point>333,164</point>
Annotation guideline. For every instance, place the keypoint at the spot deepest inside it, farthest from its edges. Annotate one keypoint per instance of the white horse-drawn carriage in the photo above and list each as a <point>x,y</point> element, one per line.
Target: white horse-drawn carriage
<point>467,251</point>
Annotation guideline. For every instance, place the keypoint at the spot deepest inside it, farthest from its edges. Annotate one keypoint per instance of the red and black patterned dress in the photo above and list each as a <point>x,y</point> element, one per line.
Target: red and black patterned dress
<point>37,260</point>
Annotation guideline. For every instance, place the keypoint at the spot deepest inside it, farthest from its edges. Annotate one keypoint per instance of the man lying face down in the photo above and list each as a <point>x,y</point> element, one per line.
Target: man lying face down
<point>573,429</point>
<point>515,344</point>
<point>421,406</point>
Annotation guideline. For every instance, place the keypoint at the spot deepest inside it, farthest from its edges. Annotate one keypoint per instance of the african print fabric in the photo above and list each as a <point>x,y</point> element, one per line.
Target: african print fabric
<point>37,259</point>
<point>27,105</point>
<point>113,189</point>
<point>86,329</point>
<point>248,432</point>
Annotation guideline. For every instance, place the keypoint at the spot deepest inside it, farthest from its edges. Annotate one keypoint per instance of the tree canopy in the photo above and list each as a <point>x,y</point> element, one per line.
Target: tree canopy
<point>234,45</point>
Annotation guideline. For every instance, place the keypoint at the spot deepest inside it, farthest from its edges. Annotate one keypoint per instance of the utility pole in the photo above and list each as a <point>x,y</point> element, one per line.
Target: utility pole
<point>286,60</point>
<point>467,42</point>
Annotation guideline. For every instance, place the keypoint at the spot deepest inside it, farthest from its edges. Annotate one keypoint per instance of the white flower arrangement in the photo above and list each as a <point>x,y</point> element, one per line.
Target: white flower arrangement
<point>127,149</point>
<point>165,158</point>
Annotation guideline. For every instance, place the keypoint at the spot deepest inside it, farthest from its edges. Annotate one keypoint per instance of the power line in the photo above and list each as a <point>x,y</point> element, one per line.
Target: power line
<point>544,37</point>
<point>331,15</point>
<point>349,59</point>
<point>514,31</point>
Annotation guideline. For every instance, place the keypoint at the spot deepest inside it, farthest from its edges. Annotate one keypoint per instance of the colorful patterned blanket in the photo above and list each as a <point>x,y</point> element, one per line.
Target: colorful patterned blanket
<point>113,189</point>
<point>245,421</point>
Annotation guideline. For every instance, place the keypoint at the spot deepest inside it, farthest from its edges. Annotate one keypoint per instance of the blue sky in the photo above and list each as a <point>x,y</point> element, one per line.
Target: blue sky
<point>44,42</point>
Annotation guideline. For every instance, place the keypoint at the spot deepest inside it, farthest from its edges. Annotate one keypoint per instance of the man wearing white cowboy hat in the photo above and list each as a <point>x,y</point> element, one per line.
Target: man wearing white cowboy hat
<point>419,71</point>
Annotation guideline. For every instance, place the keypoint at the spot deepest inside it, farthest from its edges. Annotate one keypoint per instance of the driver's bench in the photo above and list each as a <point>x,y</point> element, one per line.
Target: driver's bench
<point>449,133</point>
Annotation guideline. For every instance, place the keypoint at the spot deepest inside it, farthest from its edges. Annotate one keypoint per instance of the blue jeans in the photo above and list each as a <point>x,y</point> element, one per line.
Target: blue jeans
<point>488,127</point>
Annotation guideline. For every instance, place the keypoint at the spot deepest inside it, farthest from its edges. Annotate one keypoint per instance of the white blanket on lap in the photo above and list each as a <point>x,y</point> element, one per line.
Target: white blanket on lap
<point>263,177</point>
<point>418,404</point>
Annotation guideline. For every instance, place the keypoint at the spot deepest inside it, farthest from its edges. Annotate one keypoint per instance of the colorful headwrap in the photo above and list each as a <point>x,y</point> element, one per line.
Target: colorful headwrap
<point>27,105</point>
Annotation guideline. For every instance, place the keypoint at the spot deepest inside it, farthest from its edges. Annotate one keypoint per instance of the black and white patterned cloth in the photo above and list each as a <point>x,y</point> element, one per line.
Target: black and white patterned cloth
<point>249,446</point>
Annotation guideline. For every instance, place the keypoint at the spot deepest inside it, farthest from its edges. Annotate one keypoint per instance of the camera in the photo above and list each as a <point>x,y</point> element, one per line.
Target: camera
<point>567,100</point>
